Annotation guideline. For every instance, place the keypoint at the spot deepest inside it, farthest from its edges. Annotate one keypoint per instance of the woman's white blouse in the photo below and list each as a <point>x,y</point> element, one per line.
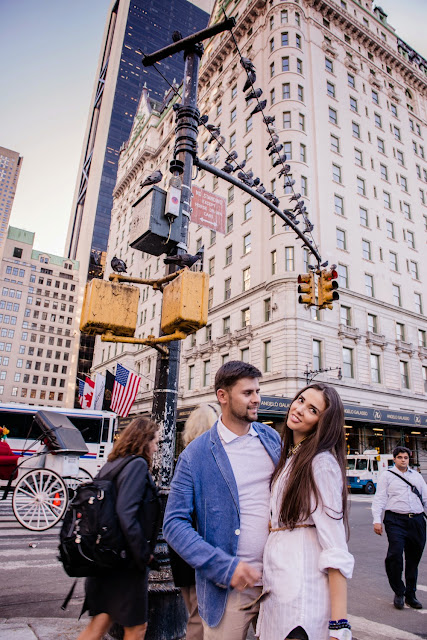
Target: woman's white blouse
<point>296,562</point>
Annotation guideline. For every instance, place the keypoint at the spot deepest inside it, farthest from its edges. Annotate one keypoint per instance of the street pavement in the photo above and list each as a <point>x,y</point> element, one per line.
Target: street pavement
<point>34,585</point>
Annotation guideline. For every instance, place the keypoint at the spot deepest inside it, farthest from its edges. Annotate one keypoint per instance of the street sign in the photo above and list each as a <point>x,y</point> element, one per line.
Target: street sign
<point>208,209</point>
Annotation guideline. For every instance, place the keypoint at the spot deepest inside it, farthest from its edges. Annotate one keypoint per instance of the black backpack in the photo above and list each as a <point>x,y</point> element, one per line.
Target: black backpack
<point>91,540</point>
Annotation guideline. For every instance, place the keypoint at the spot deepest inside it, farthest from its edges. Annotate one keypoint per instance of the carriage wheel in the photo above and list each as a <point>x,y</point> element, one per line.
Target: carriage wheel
<point>73,482</point>
<point>39,500</point>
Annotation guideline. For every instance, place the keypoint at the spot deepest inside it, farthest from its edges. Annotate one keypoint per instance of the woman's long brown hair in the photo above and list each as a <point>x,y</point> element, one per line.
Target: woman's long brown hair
<point>134,440</point>
<point>329,435</point>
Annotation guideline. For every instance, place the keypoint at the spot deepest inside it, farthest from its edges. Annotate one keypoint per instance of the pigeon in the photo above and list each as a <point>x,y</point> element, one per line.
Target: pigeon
<point>245,176</point>
<point>259,107</point>
<point>228,168</point>
<point>299,206</point>
<point>118,265</point>
<point>308,227</point>
<point>210,159</point>
<point>261,189</point>
<point>276,149</point>
<point>221,142</point>
<point>203,119</point>
<point>296,196</point>
<point>256,182</point>
<point>247,64</point>
<point>212,128</point>
<point>251,79</point>
<point>153,178</point>
<point>242,165</point>
<point>285,170</point>
<point>231,156</point>
<point>268,196</point>
<point>255,93</point>
<point>274,140</point>
<point>269,119</point>
<point>176,36</point>
<point>280,160</point>
<point>185,259</point>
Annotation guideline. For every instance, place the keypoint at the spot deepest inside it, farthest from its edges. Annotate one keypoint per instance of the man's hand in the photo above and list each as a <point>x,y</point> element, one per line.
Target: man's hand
<point>378,528</point>
<point>244,576</point>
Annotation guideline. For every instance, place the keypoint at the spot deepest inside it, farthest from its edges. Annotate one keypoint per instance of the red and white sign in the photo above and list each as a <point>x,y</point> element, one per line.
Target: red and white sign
<point>208,209</point>
<point>88,390</point>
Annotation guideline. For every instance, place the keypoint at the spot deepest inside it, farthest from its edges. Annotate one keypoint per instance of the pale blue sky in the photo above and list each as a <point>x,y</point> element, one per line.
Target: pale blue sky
<point>49,51</point>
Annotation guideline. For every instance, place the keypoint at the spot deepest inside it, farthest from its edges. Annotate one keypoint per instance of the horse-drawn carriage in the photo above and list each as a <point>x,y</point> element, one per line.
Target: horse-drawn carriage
<point>42,483</point>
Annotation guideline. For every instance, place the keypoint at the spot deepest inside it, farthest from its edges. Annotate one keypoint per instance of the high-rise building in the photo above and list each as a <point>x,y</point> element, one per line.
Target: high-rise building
<point>348,97</point>
<point>132,26</point>
<point>10,168</point>
<point>38,302</point>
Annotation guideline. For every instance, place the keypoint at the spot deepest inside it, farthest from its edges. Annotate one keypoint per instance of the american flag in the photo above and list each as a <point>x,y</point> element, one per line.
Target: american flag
<point>125,389</point>
<point>81,390</point>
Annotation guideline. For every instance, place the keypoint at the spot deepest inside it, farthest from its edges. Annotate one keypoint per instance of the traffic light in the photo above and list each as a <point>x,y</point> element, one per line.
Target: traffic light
<point>327,288</point>
<point>307,288</point>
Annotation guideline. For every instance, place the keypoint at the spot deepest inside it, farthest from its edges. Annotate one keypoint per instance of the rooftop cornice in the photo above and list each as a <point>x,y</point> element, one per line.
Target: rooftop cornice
<point>145,153</point>
<point>348,23</point>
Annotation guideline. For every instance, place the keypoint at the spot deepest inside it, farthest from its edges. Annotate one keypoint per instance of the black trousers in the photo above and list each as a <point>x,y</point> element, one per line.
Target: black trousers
<point>405,536</point>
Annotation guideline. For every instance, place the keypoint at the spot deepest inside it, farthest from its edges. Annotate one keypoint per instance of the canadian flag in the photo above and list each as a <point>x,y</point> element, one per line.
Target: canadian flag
<point>88,392</point>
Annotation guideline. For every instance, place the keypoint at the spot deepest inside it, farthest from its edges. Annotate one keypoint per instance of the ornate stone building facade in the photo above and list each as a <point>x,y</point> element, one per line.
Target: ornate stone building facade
<point>349,100</point>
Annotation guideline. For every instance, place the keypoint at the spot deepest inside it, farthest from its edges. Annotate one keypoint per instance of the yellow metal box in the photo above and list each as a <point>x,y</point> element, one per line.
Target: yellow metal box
<point>185,302</point>
<point>109,306</point>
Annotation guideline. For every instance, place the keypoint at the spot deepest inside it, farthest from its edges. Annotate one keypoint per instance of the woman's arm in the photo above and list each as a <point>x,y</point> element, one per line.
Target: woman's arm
<point>338,594</point>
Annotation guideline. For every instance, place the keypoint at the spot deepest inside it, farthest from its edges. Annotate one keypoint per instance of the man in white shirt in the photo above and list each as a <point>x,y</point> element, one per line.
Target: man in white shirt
<point>222,479</point>
<point>404,523</point>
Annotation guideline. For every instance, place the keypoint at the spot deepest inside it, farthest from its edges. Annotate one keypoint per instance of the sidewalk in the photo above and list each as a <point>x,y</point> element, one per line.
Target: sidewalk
<point>69,629</point>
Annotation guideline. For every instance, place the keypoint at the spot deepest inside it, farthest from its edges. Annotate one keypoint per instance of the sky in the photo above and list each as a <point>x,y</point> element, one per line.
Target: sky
<point>50,50</point>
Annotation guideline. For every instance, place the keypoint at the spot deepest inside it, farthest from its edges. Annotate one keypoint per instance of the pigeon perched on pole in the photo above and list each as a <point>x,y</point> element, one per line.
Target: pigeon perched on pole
<point>203,119</point>
<point>255,93</point>
<point>259,107</point>
<point>280,160</point>
<point>276,149</point>
<point>269,119</point>
<point>118,265</point>
<point>274,140</point>
<point>231,156</point>
<point>185,259</point>
<point>247,64</point>
<point>251,79</point>
<point>153,178</point>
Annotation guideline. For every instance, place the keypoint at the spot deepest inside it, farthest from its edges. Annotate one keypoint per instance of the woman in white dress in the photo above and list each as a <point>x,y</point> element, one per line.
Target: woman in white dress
<point>306,560</point>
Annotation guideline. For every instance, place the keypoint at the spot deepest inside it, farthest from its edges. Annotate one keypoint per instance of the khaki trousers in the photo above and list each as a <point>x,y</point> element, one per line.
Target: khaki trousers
<point>194,623</point>
<point>234,624</point>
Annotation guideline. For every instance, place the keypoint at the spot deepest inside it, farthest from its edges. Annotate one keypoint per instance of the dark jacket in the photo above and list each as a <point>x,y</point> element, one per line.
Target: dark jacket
<point>137,506</point>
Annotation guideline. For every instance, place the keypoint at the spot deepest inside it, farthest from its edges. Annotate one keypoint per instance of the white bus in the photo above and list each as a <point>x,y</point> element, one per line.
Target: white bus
<point>97,428</point>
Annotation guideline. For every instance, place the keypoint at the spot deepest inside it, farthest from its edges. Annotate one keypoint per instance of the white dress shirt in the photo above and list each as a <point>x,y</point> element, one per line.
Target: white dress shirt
<point>395,495</point>
<point>252,468</point>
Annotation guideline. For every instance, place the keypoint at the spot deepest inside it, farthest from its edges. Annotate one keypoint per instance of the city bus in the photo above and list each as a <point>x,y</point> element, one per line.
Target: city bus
<point>97,428</point>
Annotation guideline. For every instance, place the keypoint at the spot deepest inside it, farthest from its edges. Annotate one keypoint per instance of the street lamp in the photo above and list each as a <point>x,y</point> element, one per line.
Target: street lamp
<point>310,375</point>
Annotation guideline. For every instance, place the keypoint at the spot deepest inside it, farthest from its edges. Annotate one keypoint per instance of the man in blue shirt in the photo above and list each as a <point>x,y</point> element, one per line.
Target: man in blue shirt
<point>404,523</point>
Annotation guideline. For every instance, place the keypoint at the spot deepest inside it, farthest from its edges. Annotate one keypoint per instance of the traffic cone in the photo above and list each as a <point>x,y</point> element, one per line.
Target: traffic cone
<point>57,500</point>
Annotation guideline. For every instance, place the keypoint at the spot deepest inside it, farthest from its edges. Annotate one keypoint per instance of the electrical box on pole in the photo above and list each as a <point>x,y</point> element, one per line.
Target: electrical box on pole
<point>155,229</point>
<point>109,306</point>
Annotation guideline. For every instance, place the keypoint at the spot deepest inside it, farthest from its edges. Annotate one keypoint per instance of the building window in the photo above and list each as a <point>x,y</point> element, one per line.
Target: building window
<point>380,145</point>
<point>226,325</point>
<point>397,300</point>
<point>228,255</point>
<point>230,194</point>
<point>298,41</point>
<point>390,229</point>
<point>341,239</point>
<point>422,338</point>
<point>418,303</point>
<point>284,16</point>
<point>285,39</point>
<point>210,298</point>
<point>330,89</point>
<point>335,143</point>
<point>301,121</point>
<point>286,91</point>
<point>248,124</point>
<point>375,368</point>
<point>336,173</point>
<point>229,226</point>
<point>356,129</point>
<point>267,356</point>
<point>273,262</point>
<point>369,285</point>
<point>299,66</point>
<point>347,360</point>
<point>358,157</point>
<point>227,289</point>
<point>211,269</point>
<point>343,276</point>
<point>246,243</point>
<point>377,120</point>
<point>246,317</point>
<point>413,269</point>
<point>289,259</point>
<point>333,116</point>
<point>317,355</point>
<point>400,331</point>
<point>287,120</point>
<point>372,323</point>
<point>353,104</point>
<point>329,65</point>
<point>410,239</point>
<point>233,140</point>
<point>267,310</point>
<point>234,91</point>
<point>350,80</point>
<point>387,200</point>
<point>375,97</point>
<point>247,210</point>
<point>206,373</point>
<point>285,63</point>
<point>246,279</point>
<point>361,186</point>
<point>404,374</point>
<point>366,249</point>
<point>393,261</point>
<point>363,216</point>
<point>345,315</point>
<point>300,93</point>
<point>233,115</point>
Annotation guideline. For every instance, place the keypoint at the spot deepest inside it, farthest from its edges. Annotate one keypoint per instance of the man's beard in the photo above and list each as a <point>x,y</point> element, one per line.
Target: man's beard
<point>244,417</point>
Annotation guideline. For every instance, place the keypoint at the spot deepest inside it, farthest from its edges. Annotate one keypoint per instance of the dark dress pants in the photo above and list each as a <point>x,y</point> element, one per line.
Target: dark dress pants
<point>405,536</point>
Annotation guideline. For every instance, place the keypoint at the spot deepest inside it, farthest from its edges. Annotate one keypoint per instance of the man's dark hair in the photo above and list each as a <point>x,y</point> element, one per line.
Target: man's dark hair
<point>400,449</point>
<point>232,371</point>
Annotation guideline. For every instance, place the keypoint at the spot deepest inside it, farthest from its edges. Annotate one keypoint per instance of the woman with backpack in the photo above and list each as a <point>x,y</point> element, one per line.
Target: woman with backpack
<point>122,596</point>
<point>306,560</point>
